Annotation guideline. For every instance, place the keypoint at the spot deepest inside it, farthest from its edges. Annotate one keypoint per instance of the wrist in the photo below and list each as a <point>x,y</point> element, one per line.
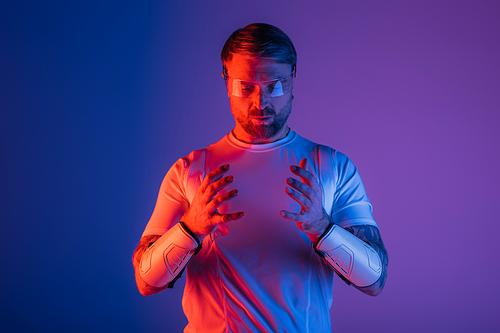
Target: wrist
<point>325,232</point>
<point>197,236</point>
<point>322,231</point>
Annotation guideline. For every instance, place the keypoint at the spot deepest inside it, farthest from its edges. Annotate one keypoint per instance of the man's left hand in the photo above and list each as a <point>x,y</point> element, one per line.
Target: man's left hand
<point>312,219</point>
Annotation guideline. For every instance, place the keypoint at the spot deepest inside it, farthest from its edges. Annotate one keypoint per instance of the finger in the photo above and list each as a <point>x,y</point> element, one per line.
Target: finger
<point>292,216</point>
<point>304,175</point>
<point>224,218</point>
<point>303,163</point>
<point>222,199</point>
<point>305,189</point>
<point>215,187</point>
<point>302,200</point>
<point>213,175</point>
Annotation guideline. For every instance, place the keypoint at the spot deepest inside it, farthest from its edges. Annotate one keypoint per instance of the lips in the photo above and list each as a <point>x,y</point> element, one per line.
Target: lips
<point>261,118</point>
<point>262,114</point>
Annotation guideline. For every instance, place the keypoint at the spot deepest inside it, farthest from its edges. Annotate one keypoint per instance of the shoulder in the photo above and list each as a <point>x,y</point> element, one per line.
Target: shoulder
<point>326,153</point>
<point>301,141</point>
<point>196,156</point>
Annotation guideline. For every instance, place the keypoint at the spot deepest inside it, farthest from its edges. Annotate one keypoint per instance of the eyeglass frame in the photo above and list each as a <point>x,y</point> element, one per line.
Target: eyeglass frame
<point>293,73</point>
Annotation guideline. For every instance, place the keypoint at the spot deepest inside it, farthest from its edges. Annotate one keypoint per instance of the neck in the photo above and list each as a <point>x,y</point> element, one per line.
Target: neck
<point>244,137</point>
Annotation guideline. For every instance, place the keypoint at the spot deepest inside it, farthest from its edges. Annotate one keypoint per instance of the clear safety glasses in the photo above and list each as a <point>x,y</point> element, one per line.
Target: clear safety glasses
<point>249,89</point>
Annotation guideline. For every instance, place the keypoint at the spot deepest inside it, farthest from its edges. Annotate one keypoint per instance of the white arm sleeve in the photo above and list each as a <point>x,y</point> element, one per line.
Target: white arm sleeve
<point>353,259</point>
<point>168,256</point>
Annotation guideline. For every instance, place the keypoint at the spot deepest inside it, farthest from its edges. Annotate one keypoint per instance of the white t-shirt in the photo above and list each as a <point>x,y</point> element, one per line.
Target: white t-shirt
<point>260,273</point>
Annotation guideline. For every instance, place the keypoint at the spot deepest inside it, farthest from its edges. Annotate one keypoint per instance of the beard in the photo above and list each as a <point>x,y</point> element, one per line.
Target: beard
<point>265,131</point>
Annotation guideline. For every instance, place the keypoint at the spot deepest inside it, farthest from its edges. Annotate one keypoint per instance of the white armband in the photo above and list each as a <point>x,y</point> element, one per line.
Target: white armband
<point>168,256</point>
<point>352,258</point>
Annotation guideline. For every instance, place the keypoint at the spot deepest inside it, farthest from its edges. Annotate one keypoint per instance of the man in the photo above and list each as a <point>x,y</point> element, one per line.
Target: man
<point>263,218</point>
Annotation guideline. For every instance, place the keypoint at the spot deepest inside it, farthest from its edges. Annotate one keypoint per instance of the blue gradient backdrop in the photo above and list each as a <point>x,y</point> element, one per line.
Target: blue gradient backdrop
<point>99,98</point>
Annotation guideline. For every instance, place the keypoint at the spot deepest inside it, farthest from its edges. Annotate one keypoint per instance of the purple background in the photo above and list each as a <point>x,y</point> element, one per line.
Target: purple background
<point>98,100</point>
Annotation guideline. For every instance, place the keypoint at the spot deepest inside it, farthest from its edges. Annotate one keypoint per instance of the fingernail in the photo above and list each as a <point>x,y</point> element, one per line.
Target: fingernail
<point>288,190</point>
<point>235,192</point>
<point>293,168</point>
<point>226,166</point>
<point>289,180</point>
<point>230,178</point>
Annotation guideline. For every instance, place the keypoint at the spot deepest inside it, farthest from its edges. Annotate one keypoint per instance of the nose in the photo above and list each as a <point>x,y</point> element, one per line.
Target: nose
<point>260,101</point>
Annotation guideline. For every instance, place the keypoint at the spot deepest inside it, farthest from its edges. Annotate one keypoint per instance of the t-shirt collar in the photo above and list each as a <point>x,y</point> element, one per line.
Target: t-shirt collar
<point>260,147</point>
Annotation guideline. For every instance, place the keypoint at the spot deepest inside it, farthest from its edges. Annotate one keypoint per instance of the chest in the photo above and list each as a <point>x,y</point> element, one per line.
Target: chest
<point>260,181</point>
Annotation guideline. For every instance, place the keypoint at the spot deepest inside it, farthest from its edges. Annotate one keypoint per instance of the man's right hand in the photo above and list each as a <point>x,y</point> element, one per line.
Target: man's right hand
<point>202,217</point>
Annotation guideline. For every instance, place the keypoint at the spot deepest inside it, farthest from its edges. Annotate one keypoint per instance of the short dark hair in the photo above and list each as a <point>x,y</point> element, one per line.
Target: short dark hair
<point>260,40</point>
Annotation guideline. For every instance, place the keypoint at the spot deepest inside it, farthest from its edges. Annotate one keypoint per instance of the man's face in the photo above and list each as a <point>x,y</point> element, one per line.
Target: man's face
<point>259,118</point>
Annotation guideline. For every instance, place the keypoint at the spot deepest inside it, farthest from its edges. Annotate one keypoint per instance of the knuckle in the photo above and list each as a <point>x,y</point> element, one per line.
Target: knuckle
<point>213,205</point>
<point>214,186</point>
<point>210,176</point>
<point>223,198</point>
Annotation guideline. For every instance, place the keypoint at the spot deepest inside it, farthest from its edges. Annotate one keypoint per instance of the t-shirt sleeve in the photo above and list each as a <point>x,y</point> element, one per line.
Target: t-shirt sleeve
<point>350,203</point>
<point>172,202</point>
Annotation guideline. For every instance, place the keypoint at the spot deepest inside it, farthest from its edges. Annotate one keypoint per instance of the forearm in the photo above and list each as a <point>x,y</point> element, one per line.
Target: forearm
<point>165,260</point>
<point>371,235</point>
<point>357,254</point>
<point>144,288</point>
